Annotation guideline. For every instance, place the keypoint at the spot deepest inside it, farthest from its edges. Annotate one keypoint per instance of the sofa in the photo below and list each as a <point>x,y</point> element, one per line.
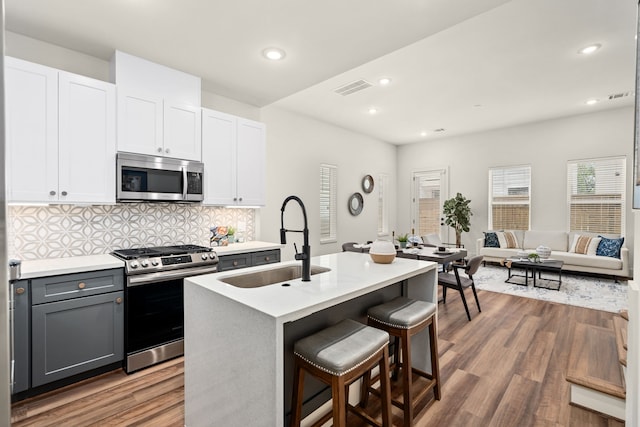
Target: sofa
<point>565,246</point>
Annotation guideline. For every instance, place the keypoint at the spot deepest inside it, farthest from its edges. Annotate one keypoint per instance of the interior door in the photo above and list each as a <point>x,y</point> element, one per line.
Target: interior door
<point>430,190</point>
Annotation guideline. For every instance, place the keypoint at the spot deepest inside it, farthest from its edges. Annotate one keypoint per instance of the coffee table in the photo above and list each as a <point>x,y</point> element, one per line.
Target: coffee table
<point>547,266</point>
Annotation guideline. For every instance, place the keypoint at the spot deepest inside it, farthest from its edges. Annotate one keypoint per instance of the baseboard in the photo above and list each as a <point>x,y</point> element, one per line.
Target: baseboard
<point>596,401</point>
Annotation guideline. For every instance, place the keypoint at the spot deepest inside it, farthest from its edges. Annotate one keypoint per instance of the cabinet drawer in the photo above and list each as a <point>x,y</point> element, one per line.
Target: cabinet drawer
<point>265,257</point>
<point>69,286</point>
<point>74,336</point>
<point>232,262</point>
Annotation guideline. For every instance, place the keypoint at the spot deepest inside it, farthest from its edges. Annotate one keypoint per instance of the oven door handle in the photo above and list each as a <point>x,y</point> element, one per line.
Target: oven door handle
<point>161,276</point>
<point>185,183</point>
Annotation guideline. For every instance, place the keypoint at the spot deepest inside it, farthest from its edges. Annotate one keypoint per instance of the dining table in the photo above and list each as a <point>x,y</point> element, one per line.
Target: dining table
<point>429,253</point>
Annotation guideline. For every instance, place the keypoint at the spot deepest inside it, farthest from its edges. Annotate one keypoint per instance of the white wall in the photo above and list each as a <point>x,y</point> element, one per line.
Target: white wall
<point>296,146</point>
<point>546,146</point>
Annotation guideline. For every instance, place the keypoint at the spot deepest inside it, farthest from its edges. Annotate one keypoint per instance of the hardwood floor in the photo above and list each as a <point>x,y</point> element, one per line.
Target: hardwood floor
<point>504,368</point>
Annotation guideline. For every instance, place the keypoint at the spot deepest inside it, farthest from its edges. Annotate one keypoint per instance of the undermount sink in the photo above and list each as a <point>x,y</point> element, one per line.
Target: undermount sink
<point>269,277</point>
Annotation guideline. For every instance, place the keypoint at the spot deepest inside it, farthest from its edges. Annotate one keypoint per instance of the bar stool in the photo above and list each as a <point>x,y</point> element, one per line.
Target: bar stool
<point>338,356</point>
<point>402,318</point>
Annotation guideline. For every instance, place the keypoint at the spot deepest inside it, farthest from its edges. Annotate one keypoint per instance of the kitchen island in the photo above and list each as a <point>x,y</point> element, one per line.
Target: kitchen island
<point>239,341</point>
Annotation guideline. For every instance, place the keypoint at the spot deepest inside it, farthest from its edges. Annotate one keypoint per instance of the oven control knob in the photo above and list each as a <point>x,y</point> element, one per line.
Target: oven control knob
<point>154,262</point>
<point>204,257</point>
<point>134,264</point>
<point>144,263</point>
<point>212,255</point>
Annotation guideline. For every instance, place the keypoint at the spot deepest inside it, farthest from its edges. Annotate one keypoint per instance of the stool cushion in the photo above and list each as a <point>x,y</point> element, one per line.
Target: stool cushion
<point>402,312</point>
<point>342,347</point>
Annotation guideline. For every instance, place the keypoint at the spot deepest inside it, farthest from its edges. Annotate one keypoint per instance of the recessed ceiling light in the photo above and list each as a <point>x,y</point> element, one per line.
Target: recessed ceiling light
<point>592,101</point>
<point>589,49</point>
<point>273,53</point>
<point>372,111</point>
<point>384,81</point>
<point>423,133</point>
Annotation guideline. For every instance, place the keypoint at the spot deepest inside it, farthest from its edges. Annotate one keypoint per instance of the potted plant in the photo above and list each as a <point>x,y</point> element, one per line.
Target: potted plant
<point>231,234</point>
<point>402,239</point>
<point>458,215</point>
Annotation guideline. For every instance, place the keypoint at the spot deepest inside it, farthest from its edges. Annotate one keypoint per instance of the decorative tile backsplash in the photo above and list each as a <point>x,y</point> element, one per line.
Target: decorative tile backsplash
<point>57,231</point>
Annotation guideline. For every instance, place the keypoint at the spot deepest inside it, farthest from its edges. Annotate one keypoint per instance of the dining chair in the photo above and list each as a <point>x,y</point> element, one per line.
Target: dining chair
<point>460,283</point>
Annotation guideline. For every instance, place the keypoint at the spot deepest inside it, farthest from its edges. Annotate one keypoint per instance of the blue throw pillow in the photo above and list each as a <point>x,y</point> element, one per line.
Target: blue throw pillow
<point>610,247</point>
<point>491,240</point>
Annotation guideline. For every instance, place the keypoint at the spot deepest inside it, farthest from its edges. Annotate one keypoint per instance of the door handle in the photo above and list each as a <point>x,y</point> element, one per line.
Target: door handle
<point>185,184</point>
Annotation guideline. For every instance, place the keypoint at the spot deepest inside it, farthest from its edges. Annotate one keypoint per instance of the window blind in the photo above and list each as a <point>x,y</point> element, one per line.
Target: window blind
<point>328,203</point>
<point>428,186</point>
<point>383,205</point>
<point>510,198</point>
<point>596,195</point>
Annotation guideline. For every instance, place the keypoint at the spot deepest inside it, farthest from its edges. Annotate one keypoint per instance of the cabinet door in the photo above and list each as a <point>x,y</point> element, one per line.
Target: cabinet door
<point>182,131</point>
<point>139,123</point>
<point>31,131</point>
<point>219,157</point>
<point>73,336</point>
<point>233,262</point>
<point>87,144</point>
<point>251,163</point>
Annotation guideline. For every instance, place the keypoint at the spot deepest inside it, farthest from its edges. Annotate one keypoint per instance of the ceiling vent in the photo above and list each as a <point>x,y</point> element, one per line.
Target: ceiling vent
<point>352,87</point>
<point>619,95</point>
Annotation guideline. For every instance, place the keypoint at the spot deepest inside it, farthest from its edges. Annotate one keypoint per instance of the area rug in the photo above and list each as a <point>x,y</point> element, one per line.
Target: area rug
<point>583,291</point>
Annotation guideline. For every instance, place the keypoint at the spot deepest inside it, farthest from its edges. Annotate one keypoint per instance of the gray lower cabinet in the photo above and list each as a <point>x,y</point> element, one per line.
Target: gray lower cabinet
<point>77,324</point>
<point>249,259</point>
<point>20,336</point>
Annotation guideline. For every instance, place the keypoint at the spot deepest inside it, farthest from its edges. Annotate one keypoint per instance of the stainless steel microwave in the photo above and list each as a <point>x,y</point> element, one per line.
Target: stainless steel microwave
<point>161,179</point>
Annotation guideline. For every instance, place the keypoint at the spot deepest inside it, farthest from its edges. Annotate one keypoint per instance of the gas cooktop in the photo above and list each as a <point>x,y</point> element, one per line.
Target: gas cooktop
<point>164,258</point>
<point>159,251</point>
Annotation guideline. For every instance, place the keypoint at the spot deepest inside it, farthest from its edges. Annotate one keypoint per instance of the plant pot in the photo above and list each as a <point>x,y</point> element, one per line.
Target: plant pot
<point>231,238</point>
<point>403,244</point>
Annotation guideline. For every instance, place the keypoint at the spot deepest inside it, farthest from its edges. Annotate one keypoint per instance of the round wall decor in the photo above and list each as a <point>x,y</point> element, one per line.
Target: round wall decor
<point>367,184</point>
<point>356,204</point>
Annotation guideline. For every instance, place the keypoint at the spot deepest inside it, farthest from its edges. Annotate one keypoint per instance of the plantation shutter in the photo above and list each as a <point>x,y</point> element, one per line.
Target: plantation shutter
<point>596,195</point>
<point>510,198</point>
<point>328,202</point>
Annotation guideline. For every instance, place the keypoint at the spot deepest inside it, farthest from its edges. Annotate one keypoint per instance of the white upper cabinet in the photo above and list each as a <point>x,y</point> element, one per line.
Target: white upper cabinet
<point>182,131</point>
<point>31,97</point>
<point>60,136</point>
<point>148,124</point>
<point>87,144</point>
<point>233,152</point>
<point>158,109</point>
<point>139,123</point>
<point>250,163</point>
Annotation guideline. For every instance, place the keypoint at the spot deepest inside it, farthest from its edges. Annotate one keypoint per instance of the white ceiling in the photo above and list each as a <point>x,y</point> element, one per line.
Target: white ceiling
<point>464,65</point>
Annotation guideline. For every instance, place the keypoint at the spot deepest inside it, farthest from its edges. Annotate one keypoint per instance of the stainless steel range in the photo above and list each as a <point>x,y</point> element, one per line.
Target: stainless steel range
<point>154,303</point>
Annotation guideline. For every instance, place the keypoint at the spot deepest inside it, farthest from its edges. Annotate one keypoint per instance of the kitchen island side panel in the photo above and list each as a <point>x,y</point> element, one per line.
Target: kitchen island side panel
<point>235,382</point>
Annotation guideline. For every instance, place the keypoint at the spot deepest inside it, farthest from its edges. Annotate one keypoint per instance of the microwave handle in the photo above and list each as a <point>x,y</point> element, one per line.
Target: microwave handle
<point>185,184</point>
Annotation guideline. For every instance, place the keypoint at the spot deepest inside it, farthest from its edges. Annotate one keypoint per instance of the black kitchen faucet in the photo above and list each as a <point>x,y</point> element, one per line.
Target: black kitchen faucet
<point>305,255</point>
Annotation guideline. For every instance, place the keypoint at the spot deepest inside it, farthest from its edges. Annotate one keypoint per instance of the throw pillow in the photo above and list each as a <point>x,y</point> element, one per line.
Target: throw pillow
<point>585,245</point>
<point>610,247</point>
<point>507,239</point>
<point>491,240</point>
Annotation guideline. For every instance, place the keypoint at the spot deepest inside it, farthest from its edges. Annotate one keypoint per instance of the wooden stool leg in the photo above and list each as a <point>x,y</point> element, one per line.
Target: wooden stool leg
<point>296,400</point>
<point>396,358</point>
<point>338,390</point>
<point>407,391</point>
<point>385,389</point>
<point>364,388</point>
<point>435,363</point>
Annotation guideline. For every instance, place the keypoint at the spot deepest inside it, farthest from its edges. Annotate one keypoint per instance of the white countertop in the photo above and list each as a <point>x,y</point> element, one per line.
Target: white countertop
<point>76,264</point>
<point>31,269</point>
<point>251,246</point>
<point>352,274</point>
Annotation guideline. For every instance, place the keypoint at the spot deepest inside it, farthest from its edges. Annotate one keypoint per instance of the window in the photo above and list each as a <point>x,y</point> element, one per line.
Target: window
<point>510,198</point>
<point>328,202</point>
<point>383,205</point>
<point>596,195</point>
<point>430,189</point>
